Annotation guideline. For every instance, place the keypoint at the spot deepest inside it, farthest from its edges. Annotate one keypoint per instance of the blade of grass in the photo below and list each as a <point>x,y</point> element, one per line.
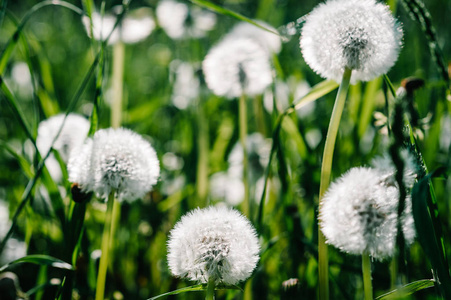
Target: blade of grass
<point>17,111</point>
<point>368,105</point>
<point>40,287</point>
<point>12,42</point>
<point>41,167</point>
<point>194,288</point>
<point>420,13</point>
<point>407,289</point>
<point>317,91</point>
<point>227,12</point>
<point>427,235</point>
<point>38,259</point>
<point>3,11</point>
<point>24,164</point>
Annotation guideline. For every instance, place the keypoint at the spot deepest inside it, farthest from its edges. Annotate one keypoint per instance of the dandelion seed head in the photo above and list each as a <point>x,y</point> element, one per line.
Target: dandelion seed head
<point>384,164</point>
<point>269,41</point>
<point>214,243</point>
<point>359,214</point>
<point>72,135</point>
<point>358,34</point>
<point>227,187</point>
<point>181,21</point>
<point>115,159</point>
<point>236,67</point>
<point>134,27</point>
<point>186,84</point>
<point>258,150</point>
<point>102,26</point>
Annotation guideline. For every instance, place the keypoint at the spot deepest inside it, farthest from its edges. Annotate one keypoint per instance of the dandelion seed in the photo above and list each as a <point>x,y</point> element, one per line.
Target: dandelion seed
<point>236,67</point>
<point>358,214</point>
<point>115,159</point>
<point>269,41</point>
<point>214,243</point>
<point>135,27</point>
<point>181,21</point>
<point>361,35</point>
<point>72,135</point>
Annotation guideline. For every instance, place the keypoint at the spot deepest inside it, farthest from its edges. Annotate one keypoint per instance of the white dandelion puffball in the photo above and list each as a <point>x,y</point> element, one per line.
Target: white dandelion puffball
<point>186,84</point>
<point>384,164</point>
<point>214,243</point>
<point>236,67</point>
<point>134,27</point>
<point>358,214</point>
<point>115,159</point>
<point>358,34</point>
<point>269,41</point>
<point>181,21</point>
<point>72,135</point>
<point>227,187</point>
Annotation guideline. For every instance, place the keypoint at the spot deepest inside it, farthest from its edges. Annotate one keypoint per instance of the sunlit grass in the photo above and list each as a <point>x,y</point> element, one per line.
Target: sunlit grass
<point>70,72</point>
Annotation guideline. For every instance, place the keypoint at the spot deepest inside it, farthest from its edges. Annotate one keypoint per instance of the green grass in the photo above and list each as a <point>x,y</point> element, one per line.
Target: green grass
<point>71,73</point>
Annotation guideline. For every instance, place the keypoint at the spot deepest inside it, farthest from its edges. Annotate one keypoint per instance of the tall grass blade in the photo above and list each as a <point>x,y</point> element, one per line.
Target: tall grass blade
<point>317,91</point>
<point>427,235</point>
<point>420,13</point>
<point>40,287</point>
<point>407,289</point>
<point>12,42</point>
<point>17,111</point>
<point>3,6</point>
<point>227,12</point>
<point>24,164</point>
<point>194,288</point>
<point>38,259</point>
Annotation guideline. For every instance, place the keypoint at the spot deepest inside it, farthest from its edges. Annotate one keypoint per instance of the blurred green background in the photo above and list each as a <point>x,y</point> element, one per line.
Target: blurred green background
<point>60,53</point>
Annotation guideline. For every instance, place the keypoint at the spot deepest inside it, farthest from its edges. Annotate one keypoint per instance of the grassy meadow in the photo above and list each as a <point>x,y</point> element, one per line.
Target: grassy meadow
<point>50,65</point>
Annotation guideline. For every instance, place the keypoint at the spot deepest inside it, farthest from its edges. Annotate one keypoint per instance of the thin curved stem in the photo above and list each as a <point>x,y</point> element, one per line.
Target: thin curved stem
<point>103,265</point>
<point>326,168</point>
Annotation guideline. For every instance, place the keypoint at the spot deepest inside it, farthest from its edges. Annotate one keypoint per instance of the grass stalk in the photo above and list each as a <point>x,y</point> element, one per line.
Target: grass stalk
<point>117,84</point>
<point>103,265</point>
<point>366,272</point>
<point>202,156</point>
<point>326,168</point>
<point>242,112</point>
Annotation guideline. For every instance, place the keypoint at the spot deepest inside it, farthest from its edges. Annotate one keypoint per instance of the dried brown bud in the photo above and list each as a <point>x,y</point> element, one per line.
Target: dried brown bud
<point>78,195</point>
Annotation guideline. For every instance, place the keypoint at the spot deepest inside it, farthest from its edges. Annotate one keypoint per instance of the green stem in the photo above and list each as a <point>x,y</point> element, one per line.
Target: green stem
<point>103,265</point>
<point>259,114</point>
<point>117,84</point>
<point>366,271</point>
<point>115,220</point>
<point>326,168</point>
<point>202,157</point>
<point>210,290</point>
<point>242,112</point>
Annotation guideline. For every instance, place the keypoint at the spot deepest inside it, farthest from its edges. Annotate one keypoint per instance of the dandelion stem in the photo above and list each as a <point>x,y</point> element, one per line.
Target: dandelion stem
<point>117,84</point>
<point>366,271</point>
<point>210,290</point>
<point>323,260</point>
<point>202,158</point>
<point>103,265</point>
<point>242,112</point>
